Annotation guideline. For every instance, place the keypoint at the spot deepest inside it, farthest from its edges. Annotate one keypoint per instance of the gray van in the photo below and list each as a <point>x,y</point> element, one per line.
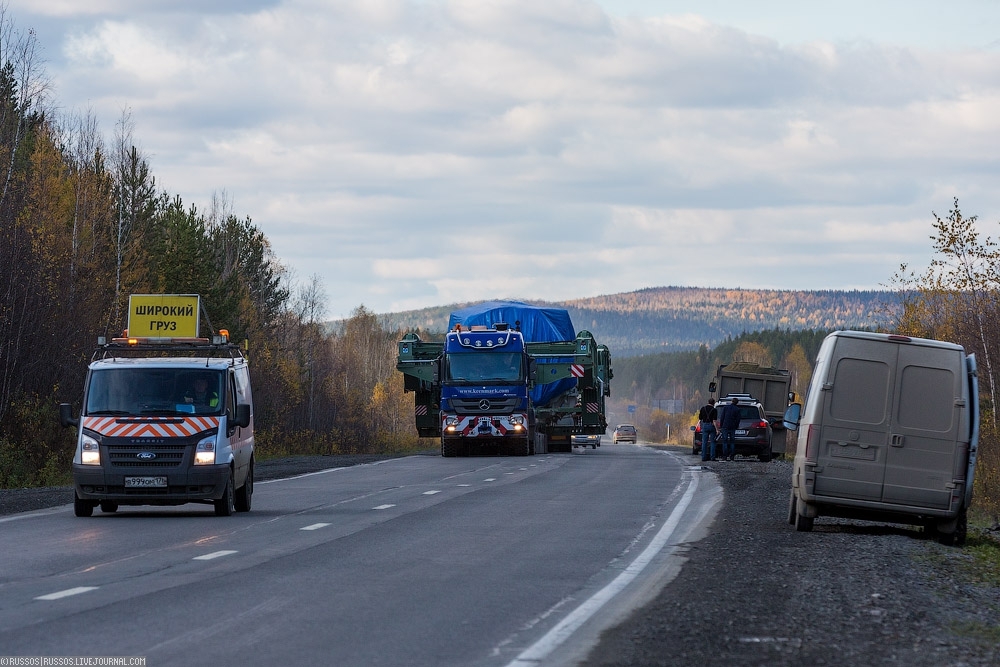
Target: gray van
<point>889,432</point>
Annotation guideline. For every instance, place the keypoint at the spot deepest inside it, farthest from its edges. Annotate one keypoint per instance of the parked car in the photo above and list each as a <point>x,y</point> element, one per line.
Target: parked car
<point>586,440</point>
<point>624,433</point>
<point>753,437</point>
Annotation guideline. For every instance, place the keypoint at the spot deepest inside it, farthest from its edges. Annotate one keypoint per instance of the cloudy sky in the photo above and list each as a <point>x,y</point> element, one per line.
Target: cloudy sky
<point>415,153</point>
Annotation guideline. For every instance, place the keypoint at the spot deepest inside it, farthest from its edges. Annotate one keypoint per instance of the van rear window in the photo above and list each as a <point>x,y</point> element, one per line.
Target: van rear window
<point>860,391</point>
<point>926,399</point>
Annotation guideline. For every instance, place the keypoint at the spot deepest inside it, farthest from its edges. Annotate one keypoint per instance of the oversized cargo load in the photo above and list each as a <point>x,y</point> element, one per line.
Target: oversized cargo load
<point>509,376</point>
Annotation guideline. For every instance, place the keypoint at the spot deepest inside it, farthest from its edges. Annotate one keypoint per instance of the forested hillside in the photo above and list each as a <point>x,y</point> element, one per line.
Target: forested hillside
<point>670,319</point>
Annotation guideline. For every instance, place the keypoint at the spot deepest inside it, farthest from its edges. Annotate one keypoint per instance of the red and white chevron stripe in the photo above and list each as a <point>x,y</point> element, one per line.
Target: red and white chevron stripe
<point>149,427</point>
<point>576,370</point>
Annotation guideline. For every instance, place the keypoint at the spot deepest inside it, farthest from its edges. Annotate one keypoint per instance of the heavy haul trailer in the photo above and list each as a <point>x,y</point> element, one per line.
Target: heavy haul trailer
<point>492,384</point>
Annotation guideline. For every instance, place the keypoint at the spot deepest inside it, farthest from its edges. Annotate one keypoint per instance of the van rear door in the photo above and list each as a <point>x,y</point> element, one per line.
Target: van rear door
<point>855,426</point>
<point>926,429</point>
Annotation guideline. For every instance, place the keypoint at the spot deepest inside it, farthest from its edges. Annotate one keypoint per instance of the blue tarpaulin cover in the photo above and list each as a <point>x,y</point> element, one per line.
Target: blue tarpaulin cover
<point>538,324</point>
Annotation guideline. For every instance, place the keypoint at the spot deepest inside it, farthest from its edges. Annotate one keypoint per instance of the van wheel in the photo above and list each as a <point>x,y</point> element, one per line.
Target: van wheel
<point>244,497</point>
<point>803,524</point>
<point>764,458</point>
<point>82,507</point>
<point>791,508</point>
<point>956,537</point>
<point>109,506</point>
<point>226,505</point>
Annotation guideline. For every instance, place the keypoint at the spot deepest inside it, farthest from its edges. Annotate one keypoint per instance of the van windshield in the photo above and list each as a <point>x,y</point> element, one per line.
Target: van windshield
<point>154,391</point>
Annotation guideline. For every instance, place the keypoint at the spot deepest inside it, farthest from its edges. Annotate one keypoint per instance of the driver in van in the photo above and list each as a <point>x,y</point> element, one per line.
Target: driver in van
<point>200,395</point>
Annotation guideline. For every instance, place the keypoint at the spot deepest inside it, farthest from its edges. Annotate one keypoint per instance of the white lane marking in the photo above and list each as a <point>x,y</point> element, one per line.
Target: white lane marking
<point>490,479</point>
<point>465,485</point>
<point>314,526</point>
<point>38,513</point>
<point>537,652</point>
<point>66,593</point>
<point>431,493</point>
<point>382,507</point>
<point>214,554</point>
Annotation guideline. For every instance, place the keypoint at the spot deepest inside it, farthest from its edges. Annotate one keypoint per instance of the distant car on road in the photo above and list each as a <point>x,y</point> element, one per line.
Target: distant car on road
<point>586,440</point>
<point>624,433</point>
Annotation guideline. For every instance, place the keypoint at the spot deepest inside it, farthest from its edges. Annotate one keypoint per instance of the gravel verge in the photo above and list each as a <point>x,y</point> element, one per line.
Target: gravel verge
<point>756,592</point>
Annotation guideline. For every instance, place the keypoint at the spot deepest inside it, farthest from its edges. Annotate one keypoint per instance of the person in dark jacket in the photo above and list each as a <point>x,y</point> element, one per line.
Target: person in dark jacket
<point>707,416</point>
<point>729,421</point>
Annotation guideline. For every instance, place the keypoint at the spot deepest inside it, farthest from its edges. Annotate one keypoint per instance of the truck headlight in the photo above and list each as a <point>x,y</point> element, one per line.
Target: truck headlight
<point>517,420</point>
<point>451,421</point>
<point>90,451</point>
<point>204,453</point>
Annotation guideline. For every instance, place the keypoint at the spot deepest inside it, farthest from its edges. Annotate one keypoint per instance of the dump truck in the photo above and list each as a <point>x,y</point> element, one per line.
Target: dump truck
<point>509,377</point>
<point>768,386</point>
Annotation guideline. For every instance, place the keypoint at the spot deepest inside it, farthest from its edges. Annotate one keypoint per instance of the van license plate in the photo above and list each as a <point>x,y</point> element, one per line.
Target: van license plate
<point>146,481</point>
<point>741,431</point>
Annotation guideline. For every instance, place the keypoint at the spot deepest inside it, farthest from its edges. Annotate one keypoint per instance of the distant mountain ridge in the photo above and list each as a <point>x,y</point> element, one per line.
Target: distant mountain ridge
<point>672,319</point>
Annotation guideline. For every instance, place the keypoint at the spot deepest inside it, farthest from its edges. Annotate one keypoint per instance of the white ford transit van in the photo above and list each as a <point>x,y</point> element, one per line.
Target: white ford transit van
<point>889,432</point>
<point>164,422</point>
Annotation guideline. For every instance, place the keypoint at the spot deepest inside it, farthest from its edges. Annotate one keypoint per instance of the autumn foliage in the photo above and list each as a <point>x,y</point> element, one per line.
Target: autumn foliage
<point>83,224</point>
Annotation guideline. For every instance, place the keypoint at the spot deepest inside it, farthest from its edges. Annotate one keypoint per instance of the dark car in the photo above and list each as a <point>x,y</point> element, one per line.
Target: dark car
<point>624,433</point>
<point>753,436</point>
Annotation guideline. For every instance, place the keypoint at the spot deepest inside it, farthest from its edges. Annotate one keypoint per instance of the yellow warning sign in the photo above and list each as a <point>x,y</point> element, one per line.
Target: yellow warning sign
<point>163,315</point>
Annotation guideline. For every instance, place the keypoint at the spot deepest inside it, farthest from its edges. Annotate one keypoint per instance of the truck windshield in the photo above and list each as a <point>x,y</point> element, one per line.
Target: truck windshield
<point>154,391</point>
<point>481,367</point>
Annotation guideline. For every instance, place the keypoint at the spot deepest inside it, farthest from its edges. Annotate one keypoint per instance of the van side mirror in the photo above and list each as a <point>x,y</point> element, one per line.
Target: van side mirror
<point>792,417</point>
<point>66,415</point>
<point>242,415</point>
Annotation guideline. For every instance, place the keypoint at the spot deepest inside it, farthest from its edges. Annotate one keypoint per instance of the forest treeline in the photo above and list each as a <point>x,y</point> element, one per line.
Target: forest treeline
<point>84,224</point>
<point>674,319</point>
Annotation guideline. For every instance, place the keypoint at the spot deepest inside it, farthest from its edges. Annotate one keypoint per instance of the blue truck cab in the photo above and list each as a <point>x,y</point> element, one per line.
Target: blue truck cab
<point>485,374</point>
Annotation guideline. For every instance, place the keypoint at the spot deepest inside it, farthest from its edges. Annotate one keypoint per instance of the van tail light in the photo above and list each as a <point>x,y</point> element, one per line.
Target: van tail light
<point>812,442</point>
<point>761,424</point>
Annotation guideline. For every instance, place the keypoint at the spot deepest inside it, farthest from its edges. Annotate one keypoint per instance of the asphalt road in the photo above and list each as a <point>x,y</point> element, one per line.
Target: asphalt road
<point>411,561</point>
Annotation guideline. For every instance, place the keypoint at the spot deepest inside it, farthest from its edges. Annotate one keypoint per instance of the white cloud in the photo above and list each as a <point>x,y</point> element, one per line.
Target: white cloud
<point>422,152</point>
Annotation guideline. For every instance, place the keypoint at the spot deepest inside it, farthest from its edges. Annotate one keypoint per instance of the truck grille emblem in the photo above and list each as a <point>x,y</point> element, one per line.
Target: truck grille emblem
<point>484,404</point>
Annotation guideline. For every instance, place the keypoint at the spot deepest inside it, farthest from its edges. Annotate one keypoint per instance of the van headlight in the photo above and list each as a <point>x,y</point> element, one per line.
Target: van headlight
<point>90,451</point>
<point>204,453</point>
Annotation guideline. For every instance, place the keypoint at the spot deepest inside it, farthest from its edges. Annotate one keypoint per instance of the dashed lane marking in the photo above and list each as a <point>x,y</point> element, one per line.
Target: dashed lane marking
<point>314,526</point>
<point>431,493</point>
<point>382,507</point>
<point>214,555</point>
<point>66,593</point>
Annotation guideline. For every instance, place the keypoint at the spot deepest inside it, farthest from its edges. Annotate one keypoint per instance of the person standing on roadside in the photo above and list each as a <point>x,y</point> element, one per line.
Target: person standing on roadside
<point>708,416</point>
<point>729,421</point>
